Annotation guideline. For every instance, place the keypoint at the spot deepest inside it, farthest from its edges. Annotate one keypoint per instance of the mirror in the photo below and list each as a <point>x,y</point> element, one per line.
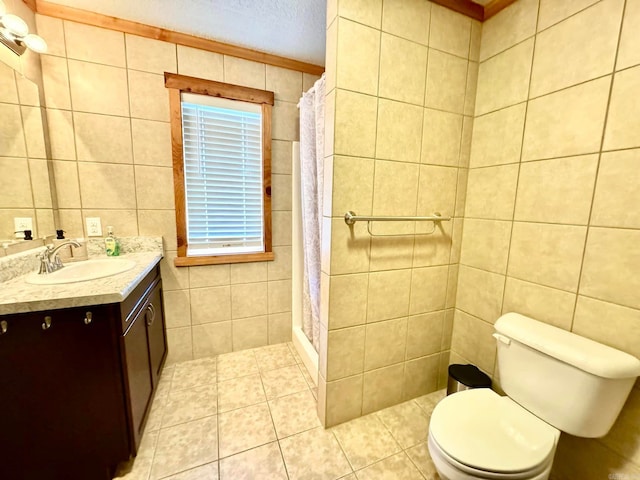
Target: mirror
<point>26,180</point>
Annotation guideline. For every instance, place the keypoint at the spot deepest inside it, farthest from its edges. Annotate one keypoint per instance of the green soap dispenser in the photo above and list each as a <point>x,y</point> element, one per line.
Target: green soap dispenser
<point>111,243</point>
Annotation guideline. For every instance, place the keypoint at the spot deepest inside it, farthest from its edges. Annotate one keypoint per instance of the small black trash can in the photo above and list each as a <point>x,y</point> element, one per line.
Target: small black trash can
<point>464,377</point>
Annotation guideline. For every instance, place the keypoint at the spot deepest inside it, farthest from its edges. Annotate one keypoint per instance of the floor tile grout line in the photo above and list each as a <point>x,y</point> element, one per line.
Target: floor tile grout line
<point>217,410</point>
<point>273,423</point>
<point>344,453</point>
<point>298,433</point>
<point>158,431</point>
<point>266,402</point>
<point>187,470</point>
<point>403,452</point>
<point>239,452</point>
<point>376,416</point>
<point>185,422</point>
<point>413,462</point>
<point>387,428</point>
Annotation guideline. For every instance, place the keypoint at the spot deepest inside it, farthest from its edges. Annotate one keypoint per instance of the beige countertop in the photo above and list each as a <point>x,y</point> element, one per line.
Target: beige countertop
<point>18,296</point>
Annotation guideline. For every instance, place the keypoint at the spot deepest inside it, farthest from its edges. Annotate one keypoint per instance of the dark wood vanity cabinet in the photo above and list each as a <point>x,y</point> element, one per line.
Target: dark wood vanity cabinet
<point>144,350</point>
<point>76,385</point>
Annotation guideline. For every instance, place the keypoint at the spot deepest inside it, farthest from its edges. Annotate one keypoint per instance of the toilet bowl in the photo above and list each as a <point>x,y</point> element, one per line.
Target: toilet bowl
<point>477,434</point>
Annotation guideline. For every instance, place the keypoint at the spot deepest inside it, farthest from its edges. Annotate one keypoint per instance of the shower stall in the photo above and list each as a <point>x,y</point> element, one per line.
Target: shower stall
<point>303,345</point>
<point>308,179</point>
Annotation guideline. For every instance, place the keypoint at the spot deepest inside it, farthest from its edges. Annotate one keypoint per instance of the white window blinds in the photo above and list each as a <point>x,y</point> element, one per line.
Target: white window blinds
<point>222,143</point>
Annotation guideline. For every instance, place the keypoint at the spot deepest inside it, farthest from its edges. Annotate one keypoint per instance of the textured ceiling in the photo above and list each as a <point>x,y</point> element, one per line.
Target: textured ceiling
<point>290,28</point>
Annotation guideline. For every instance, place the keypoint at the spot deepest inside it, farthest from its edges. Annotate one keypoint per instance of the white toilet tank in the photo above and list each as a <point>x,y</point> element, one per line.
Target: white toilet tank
<point>575,384</point>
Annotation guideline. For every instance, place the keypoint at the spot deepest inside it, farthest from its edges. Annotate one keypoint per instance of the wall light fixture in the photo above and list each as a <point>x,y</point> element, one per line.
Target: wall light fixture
<point>14,34</point>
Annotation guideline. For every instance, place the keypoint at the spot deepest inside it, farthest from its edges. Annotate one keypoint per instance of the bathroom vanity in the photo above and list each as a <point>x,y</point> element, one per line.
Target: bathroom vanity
<point>79,373</point>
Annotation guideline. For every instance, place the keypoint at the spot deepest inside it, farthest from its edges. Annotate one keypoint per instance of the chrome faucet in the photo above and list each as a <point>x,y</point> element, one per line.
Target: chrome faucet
<point>49,259</point>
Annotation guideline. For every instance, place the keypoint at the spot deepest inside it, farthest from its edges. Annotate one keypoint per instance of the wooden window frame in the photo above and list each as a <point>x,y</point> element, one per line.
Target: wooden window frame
<point>176,84</point>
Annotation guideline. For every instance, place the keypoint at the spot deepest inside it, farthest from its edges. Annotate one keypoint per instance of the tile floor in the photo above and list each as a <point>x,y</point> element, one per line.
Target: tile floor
<point>252,415</point>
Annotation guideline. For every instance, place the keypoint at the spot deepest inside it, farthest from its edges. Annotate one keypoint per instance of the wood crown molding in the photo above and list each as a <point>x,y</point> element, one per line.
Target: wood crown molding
<point>475,10</point>
<point>465,7</point>
<point>490,9</point>
<point>31,4</point>
<point>126,26</point>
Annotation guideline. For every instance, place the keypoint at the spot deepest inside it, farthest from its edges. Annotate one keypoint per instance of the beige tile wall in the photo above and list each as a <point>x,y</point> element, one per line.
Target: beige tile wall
<point>24,187</point>
<point>108,113</point>
<point>551,226</point>
<point>401,78</point>
<point>25,190</point>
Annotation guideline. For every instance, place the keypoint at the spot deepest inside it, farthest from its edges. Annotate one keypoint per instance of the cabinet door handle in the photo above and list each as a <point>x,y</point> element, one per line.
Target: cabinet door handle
<point>46,325</point>
<point>3,327</point>
<point>152,311</point>
<point>88,318</point>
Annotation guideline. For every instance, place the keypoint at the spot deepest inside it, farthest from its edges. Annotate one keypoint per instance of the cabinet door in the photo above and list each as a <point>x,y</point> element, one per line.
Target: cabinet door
<point>138,372</point>
<point>156,332</point>
<point>61,412</point>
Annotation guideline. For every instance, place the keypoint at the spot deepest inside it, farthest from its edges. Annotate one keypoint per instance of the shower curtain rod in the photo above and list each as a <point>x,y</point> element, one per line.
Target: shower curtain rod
<point>312,89</point>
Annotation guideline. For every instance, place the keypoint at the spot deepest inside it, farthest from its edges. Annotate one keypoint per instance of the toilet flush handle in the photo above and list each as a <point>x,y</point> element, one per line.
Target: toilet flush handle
<point>502,338</point>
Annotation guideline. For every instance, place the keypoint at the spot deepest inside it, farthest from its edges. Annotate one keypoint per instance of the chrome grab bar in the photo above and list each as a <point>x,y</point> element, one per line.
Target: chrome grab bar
<point>350,218</point>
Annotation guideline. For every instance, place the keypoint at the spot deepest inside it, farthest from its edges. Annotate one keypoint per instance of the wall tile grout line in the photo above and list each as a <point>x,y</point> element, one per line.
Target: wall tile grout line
<point>595,183</point>
<point>401,37</point>
<point>455,206</point>
<point>515,200</point>
<point>548,94</point>
<point>537,32</point>
<point>537,222</point>
<point>133,160</point>
<point>404,102</point>
<point>352,229</point>
<point>73,129</point>
<point>520,42</point>
<point>27,157</point>
<point>417,199</point>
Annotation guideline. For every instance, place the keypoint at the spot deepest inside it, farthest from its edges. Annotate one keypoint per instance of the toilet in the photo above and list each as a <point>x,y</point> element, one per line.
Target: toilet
<point>555,381</point>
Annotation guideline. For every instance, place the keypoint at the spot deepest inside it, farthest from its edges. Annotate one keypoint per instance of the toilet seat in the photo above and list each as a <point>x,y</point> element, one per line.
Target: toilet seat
<point>484,434</point>
<point>450,469</point>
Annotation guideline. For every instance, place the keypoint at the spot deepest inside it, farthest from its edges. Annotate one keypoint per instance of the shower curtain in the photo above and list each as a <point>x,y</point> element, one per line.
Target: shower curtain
<point>311,179</point>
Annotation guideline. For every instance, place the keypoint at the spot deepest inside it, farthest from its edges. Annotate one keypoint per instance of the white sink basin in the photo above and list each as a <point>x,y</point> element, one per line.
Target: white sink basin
<point>83,271</point>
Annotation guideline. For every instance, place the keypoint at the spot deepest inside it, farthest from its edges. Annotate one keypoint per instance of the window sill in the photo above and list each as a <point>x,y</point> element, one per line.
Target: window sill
<point>222,259</point>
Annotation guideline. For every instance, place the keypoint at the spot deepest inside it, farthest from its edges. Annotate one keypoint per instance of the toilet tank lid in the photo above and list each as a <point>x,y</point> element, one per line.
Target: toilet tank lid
<point>582,353</point>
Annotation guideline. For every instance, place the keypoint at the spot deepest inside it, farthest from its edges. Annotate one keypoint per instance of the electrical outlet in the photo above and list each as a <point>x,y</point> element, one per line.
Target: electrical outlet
<point>21,224</point>
<point>94,227</point>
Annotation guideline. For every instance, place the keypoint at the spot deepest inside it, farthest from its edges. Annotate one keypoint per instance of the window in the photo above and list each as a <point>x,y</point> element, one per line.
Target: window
<point>221,140</point>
